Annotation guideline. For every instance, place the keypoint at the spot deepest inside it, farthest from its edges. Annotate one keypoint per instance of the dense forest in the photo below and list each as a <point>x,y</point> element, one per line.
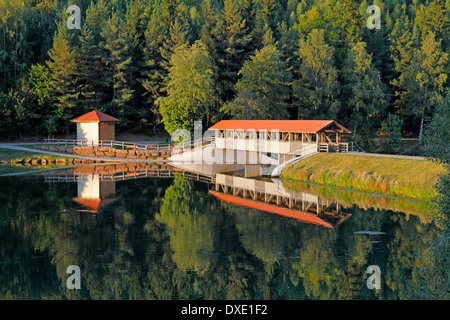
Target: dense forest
<point>158,65</point>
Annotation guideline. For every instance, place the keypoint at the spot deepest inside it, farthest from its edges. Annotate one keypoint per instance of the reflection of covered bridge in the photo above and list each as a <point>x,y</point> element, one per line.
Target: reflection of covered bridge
<point>129,175</point>
<point>272,197</point>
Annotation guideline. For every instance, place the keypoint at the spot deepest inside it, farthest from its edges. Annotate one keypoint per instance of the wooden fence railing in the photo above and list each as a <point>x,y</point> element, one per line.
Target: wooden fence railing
<point>110,143</point>
<point>181,147</point>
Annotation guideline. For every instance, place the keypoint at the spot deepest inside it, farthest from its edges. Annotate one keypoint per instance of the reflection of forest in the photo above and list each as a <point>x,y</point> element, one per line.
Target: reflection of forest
<point>170,239</point>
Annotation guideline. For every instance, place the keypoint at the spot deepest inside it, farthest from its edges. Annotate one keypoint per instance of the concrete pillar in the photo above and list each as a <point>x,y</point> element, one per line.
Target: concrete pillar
<point>252,171</point>
<point>251,157</point>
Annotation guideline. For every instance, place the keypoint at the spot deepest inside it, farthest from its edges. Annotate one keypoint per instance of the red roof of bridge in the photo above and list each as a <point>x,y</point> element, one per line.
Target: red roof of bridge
<point>95,116</point>
<point>288,213</point>
<point>306,126</point>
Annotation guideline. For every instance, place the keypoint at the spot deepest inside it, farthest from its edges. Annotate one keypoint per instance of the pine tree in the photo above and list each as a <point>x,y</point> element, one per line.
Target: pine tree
<point>118,60</point>
<point>153,80</point>
<point>91,72</point>
<point>135,34</point>
<point>347,23</point>
<point>435,18</point>
<point>209,15</point>
<point>97,15</point>
<point>364,93</point>
<point>265,17</point>
<point>233,36</point>
<point>403,46</point>
<point>166,31</point>
<point>62,65</point>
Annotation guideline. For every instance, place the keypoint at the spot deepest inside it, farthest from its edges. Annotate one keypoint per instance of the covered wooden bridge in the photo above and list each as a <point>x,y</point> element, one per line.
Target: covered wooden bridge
<point>295,137</point>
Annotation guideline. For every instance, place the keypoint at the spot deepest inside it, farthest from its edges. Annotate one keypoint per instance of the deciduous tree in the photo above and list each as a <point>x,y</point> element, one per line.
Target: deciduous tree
<point>317,88</point>
<point>191,88</point>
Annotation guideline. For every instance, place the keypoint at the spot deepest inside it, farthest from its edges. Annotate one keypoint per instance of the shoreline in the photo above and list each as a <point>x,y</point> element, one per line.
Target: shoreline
<point>386,176</point>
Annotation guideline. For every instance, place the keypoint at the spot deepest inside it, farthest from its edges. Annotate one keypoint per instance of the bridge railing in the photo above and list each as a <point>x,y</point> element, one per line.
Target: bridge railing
<point>354,147</point>
<point>300,151</point>
<point>110,143</point>
<point>192,144</point>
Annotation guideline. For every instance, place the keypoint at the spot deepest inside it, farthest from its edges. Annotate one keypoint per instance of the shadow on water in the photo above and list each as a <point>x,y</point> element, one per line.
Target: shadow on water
<point>154,231</point>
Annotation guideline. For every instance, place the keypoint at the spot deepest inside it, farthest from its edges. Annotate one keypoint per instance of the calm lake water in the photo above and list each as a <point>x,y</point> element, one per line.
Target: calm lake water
<point>135,235</point>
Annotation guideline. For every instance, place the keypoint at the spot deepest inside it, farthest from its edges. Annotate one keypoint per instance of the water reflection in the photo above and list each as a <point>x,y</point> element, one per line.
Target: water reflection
<point>159,232</point>
<point>270,196</point>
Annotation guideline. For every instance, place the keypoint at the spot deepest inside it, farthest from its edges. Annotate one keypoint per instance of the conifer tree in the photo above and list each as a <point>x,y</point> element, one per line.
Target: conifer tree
<point>166,31</point>
<point>118,60</point>
<point>153,80</point>
<point>135,38</point>
<point>435,18</point>
<point>347,23</point>
<point>90,72</point>
<point>233,36</point>
<point>97,15</point>
<point>62,65</point>
<point>365,97</point>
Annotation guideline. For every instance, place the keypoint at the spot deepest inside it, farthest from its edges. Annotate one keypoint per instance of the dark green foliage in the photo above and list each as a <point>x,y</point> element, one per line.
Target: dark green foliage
<point>434,276</point>
<point>119,62</point>
<point>392,130</point>
<point>265,84</point>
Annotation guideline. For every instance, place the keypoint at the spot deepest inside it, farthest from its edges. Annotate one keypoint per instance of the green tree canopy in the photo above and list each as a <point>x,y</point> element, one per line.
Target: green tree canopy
<point>365,94</point>
<point>317,89</point>
<point>264,81</point>
<point>191,88</point>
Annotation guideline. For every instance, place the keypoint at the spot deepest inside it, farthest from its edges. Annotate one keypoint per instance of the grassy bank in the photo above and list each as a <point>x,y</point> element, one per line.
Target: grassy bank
<point>407,178</point>
<point>10,155</point>
<point>11,161</point>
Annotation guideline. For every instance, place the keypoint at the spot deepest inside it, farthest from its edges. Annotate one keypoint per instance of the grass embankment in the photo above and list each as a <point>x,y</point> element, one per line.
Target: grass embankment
<point>407,178</point>
<point>13,157</point>
<point>10,155</point>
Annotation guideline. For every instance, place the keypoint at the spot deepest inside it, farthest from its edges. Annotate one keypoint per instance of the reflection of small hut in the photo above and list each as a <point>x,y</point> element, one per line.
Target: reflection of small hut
<point>93,193</point>
<point>95,126</point>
